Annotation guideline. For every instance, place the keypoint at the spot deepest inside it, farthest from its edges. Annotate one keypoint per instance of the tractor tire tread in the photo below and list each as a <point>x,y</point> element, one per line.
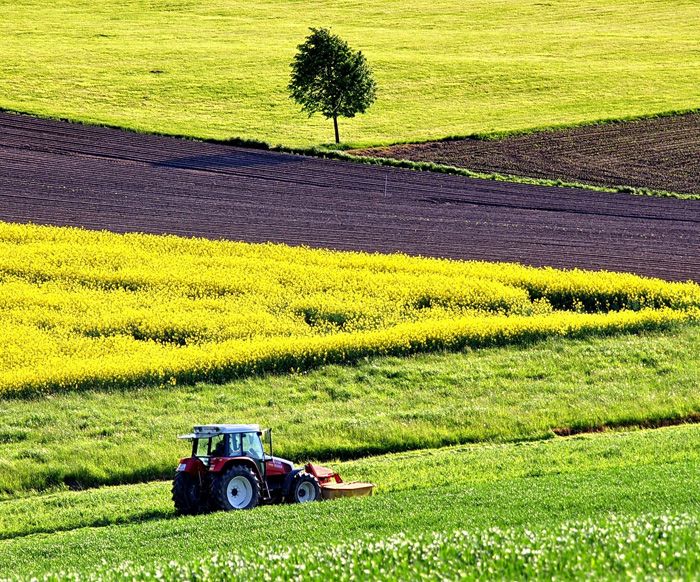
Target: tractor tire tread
<point>299,478</point>
<point>182,497</point>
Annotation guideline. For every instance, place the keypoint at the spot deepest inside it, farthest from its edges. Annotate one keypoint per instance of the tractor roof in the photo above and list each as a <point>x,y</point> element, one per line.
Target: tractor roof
<point>210,430</point>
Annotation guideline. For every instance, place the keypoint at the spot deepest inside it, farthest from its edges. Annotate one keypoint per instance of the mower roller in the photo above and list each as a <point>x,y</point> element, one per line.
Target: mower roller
<point>230,469</point>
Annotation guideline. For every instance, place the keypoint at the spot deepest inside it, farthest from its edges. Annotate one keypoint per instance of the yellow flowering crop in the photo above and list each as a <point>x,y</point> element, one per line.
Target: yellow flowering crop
<point>85,309</point>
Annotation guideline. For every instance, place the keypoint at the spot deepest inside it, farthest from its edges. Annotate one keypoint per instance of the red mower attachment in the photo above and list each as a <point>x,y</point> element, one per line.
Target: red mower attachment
<point>333,486</point>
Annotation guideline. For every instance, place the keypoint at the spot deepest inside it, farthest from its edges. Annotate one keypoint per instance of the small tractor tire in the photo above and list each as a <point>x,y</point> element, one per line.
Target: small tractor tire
<point>237,488</point>
<point>189,494</point>
<point>305,487</point>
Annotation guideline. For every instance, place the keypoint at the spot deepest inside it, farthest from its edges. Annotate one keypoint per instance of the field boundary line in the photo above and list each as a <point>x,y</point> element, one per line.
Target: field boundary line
<point>325,152</point>
<point>504,134</point>
<point>498,177</point>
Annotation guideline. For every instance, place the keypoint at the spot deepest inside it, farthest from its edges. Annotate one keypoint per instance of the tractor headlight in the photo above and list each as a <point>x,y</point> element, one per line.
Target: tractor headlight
<point>180,467</point>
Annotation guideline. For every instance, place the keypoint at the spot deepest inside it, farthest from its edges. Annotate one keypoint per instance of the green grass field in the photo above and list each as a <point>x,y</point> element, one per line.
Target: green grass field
<point>533,485</point>
<point>660,546</point>
<point>379,405</point>
<point>471,477</point>
<point>462,465</point>
<point>219,69</point>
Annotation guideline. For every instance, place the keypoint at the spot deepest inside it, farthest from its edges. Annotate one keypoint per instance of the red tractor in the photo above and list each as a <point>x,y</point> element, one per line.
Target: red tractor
<point>229,469</point>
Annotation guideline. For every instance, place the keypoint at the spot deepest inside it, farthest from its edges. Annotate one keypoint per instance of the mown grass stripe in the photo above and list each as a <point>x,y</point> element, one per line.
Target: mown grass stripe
<point>460,466</point>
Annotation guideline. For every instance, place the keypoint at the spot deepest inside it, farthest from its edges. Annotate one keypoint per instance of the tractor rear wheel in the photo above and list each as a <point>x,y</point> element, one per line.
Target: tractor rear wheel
<point>189,494</point>
<point>237,488</point>
<point>305,487</point>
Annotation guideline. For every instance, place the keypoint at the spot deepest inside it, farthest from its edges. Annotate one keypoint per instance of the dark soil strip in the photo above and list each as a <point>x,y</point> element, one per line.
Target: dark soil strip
<point>661,153</point>
<point>650,423</point>
<point>66,174</point>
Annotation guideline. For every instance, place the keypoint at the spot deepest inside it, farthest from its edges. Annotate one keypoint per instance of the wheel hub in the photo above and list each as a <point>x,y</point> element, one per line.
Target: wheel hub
<point>239,492</point>
<point>306,492</point>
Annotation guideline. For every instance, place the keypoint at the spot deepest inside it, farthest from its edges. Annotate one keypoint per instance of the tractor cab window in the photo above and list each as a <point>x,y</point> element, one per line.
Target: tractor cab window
<point>218,446</point>
<point>235,445</point>
<point>252,445</point>
<point>201,448</point>
<point>210,447</point>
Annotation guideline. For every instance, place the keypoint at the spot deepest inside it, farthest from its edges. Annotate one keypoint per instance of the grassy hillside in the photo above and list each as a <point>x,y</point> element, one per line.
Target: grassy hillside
<point>531,485</point>
<point>379,405</point>
<point>220,69</point>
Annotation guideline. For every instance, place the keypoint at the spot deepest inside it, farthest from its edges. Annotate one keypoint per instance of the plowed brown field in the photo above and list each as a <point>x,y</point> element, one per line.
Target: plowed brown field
<point>660,154</point>
<point>99,178</point>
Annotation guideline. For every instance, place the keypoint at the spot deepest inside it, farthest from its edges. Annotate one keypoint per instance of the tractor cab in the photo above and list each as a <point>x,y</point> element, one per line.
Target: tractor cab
<point>216,445</point>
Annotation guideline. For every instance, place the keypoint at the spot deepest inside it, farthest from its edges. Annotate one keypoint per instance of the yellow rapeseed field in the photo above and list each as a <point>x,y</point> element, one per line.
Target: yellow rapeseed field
<point>81,309</point>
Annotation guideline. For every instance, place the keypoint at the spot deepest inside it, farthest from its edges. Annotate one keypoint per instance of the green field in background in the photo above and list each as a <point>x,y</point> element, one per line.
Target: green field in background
<point>219,69</point>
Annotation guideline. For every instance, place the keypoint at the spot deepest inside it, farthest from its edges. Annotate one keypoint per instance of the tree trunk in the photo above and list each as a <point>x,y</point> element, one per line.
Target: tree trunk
<point>335,126</point>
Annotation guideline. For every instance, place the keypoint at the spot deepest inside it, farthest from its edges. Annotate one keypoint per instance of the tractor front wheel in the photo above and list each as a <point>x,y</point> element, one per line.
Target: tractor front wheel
<point>237,488</point>
<point>188,494</point>
<point>304,488</point>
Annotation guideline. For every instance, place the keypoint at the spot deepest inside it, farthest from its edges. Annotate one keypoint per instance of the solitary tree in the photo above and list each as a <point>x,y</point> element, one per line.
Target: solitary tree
<point>329,77</point>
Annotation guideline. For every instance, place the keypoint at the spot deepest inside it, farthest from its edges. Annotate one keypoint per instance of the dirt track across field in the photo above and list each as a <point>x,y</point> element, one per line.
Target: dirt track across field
<point>99,178</point>
<point>660,154</point>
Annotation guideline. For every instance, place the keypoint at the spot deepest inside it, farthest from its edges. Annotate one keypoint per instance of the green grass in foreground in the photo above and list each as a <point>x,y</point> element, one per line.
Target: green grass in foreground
<point>463,465</point>
<point>615,548</point>
<point>533,485</point>
<point>220,69</point>
<point>380,405</point>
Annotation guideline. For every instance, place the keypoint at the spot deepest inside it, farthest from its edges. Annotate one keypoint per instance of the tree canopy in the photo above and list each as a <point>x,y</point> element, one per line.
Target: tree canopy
<point>328,77</point>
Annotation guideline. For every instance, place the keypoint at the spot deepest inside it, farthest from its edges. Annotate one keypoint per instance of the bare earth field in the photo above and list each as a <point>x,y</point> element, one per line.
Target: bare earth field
<point>660,154</point>
<point>64,174</point>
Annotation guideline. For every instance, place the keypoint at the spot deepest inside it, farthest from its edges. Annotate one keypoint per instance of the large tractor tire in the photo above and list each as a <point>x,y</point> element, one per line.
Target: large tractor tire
<point>304,488</point>
<point>237,488</point>
<point>189,494</point>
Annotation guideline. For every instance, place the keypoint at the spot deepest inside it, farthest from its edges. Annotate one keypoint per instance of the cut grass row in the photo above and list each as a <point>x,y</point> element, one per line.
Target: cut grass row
<point>379,405</point>
<point>199,69</point>
<point>531,485</point>
<point>462,465</point>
